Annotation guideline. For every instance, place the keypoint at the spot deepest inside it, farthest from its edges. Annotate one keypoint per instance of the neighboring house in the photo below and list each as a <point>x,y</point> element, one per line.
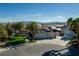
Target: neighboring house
<point>59,26</point>
<point>45,35</point>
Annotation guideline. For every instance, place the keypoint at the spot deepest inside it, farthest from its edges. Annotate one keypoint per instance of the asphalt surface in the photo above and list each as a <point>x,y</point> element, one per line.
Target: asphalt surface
<point>30,50</point>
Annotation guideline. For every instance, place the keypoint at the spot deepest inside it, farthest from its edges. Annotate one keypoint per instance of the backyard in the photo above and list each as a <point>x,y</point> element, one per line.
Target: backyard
<point>20,39</point>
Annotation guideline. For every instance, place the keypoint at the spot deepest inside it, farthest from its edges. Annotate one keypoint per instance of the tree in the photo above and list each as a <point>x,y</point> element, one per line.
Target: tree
<point>9,29</point>
<point>18,27</point>
<point>32,28</point>
<point>69,22</point>
<point>74,26</point>
<point>3,34</point>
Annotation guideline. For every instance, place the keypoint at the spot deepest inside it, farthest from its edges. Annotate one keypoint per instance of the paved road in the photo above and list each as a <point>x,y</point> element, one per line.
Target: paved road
<point>30,50</point>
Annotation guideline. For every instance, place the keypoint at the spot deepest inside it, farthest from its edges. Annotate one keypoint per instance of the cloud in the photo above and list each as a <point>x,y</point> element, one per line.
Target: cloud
<point>20,18</point>
<point>35,17</point>
<point>46,18</point>
<point>30,15</point>
<point>59,18</point>
<point>3,20</point>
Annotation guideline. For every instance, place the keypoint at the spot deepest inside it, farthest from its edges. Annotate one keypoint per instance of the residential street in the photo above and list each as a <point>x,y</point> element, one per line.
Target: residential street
<point>30,50</point>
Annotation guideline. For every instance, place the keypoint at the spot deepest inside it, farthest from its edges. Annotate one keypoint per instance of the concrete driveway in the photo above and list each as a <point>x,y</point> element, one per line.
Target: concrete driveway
<point>30,50</point>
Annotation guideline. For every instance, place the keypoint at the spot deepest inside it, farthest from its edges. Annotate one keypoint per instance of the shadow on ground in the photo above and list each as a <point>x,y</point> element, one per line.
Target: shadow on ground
<point>71,51</point>
<point>15,46</point>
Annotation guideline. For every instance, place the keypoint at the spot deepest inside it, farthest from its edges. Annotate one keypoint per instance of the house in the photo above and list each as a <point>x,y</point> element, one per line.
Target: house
<point>41,36</point>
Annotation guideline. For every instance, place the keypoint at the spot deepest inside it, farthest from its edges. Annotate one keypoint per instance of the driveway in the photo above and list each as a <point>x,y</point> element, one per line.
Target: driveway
<point>30,50</point>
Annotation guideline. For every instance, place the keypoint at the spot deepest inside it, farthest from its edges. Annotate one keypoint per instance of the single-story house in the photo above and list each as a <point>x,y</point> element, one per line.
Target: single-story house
<point>45,35</point>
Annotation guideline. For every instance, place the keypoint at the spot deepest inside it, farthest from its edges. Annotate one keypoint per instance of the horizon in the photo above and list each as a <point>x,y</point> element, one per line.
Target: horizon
<point>38,12</point>
<point>30,21</point>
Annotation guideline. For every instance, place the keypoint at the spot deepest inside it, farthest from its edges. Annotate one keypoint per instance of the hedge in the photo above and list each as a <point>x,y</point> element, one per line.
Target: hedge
<point>16,40</point>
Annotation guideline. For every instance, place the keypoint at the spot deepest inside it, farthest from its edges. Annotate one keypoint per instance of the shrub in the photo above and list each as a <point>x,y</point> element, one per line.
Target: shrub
<point>73,42</point>
<point>16,40</point>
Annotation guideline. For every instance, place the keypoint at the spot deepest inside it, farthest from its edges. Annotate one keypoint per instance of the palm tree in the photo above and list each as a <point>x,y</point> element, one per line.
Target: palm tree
<point>32,29</point>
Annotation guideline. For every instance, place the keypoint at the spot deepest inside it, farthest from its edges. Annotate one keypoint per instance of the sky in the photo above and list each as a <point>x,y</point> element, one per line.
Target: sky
<point>39,12</point>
